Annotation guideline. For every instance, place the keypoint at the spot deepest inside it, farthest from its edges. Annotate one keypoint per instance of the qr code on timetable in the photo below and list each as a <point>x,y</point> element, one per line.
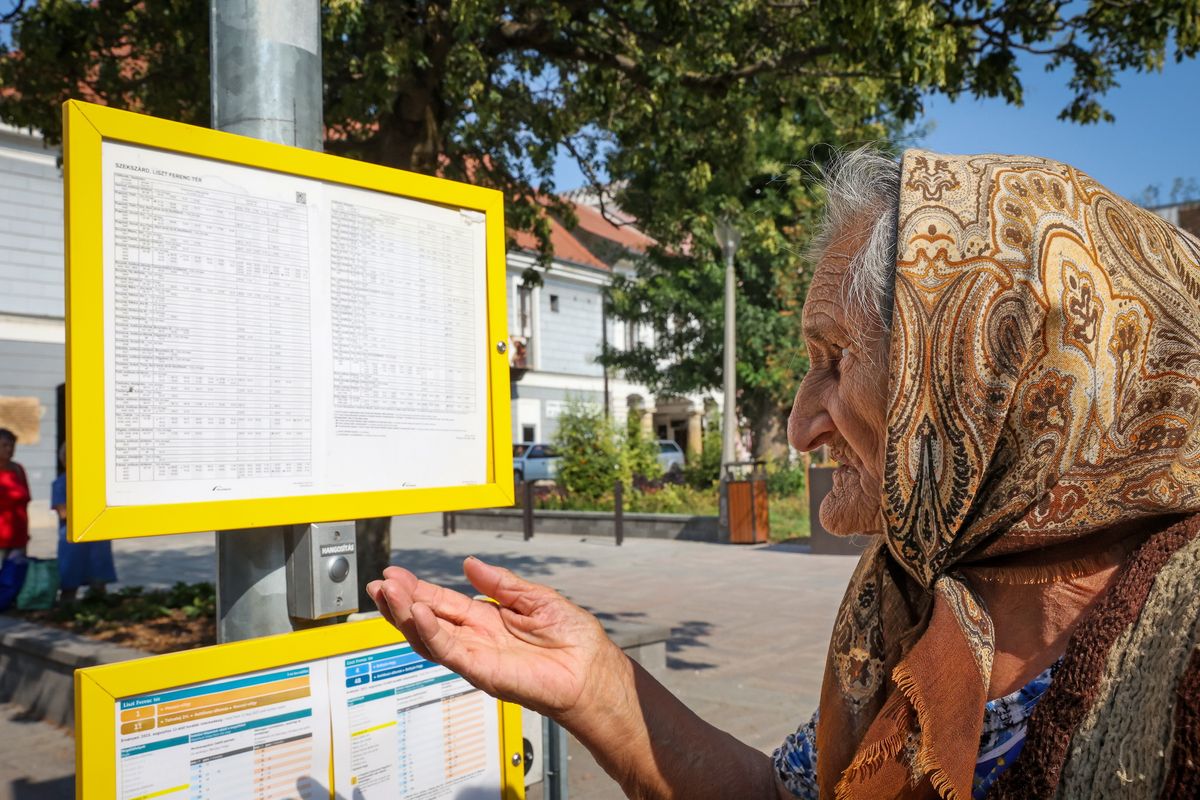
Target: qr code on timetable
<point>302,198</point>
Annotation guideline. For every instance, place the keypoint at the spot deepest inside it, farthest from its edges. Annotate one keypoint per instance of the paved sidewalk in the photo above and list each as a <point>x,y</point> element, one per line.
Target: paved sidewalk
<point>37,761</point>
<point>749,625</point>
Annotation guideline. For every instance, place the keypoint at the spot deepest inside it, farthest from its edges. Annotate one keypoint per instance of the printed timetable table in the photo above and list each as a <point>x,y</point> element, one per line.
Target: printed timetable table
<point>405,727</point>
<point>400,285</point>
<point>212,372</point>
<point>267,335</point>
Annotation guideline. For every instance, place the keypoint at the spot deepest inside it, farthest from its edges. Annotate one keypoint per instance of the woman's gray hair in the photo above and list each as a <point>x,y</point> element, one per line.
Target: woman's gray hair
<point>862,187</point>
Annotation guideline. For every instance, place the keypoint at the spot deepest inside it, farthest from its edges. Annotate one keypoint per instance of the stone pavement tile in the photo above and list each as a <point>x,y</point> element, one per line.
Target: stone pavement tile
<point>37,761</point>
<point>150,561</point>
<point>749,625</point>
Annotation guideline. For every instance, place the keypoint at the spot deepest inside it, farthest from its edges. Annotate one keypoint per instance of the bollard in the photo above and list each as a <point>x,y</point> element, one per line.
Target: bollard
<point>528,509</point>
<point>619,511</point>
<point>753,509</point>
<point>554,746</point>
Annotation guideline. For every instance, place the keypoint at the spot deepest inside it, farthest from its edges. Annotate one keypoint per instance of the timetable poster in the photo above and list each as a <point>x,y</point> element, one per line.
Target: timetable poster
<point>260,736</point>
<point>406,727</point>
<point>268,335</point>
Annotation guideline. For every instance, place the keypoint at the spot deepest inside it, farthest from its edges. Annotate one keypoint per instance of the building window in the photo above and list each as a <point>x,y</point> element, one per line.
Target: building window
<point>554,303</point>
<point>525,313</point>
<point>528,433</point>
<point>631,335</point>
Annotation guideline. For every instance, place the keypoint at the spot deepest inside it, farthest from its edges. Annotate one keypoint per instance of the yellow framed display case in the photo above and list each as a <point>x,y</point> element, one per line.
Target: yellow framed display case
<point>117,700</point>
<point>96,510</point>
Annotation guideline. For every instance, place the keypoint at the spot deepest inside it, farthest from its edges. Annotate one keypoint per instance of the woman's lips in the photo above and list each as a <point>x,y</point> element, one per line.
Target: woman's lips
<point>842,458</point>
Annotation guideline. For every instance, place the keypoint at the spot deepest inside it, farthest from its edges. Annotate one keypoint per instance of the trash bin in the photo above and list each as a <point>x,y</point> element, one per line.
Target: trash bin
<point>746,492</point>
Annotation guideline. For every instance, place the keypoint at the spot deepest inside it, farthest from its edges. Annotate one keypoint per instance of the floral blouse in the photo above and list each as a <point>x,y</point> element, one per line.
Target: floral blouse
<point>1003,736</point>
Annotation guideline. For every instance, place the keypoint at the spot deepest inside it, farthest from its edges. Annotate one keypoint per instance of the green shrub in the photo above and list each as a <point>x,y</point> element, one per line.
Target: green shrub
<point>785,480</point>
<point>590,451</point>
<point>705,471</point>
<point>640,453</point>
<point>137,604</point>
<point>673,499</point>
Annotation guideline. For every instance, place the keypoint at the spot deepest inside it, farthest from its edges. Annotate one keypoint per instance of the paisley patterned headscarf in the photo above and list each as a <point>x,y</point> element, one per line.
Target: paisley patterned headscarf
<point>1044,386</point>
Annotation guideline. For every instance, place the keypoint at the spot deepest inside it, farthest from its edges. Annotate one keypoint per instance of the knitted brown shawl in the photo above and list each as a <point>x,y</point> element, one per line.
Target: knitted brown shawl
<point>1044,388</point>
<point>1171,735</point>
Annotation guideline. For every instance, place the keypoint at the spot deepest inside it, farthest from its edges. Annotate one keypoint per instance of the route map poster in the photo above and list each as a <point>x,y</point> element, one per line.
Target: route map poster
<point>391,725</point>
<point>260,735</point>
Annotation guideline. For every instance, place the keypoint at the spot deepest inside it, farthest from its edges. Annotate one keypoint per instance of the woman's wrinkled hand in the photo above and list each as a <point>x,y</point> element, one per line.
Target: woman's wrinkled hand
<point>535,647</point>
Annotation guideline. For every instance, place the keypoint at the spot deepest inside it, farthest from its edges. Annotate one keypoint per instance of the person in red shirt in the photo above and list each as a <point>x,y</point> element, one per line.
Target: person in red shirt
<point>14,498</point>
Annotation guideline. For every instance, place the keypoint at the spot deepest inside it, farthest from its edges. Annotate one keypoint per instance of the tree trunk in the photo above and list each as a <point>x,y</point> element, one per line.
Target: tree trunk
<point>768,431</point>
<point>373,539</point>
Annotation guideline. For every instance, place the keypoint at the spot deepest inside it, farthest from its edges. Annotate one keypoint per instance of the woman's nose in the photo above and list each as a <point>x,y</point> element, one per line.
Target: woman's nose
<point>809,425</point>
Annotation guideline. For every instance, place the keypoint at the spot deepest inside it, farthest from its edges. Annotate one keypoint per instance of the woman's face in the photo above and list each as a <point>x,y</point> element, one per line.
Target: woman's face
<point>7,448</point>
<point>842,401</point>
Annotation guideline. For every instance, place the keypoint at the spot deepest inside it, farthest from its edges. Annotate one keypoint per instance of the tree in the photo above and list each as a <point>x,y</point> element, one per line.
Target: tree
<point>659,95</point>
<point>670,100</point>
<point>678,292</point>
<point>1183,190</point>
<point>590,451</point>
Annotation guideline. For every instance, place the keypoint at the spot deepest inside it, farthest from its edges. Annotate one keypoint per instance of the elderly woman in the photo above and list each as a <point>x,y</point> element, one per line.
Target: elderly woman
<point>1006,362</point>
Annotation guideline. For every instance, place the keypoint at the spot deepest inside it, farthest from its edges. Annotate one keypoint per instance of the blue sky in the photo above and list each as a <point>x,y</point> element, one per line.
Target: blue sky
<point>1155,139</point>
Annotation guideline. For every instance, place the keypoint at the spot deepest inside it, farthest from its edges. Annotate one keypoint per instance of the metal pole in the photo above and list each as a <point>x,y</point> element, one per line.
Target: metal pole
<point>604,349</point>
<point>619,511</point>
<point>753,510</point>
<point>729,413</point>
<point>266,82</point>
<point>527,515</point>
<point>555,749</point>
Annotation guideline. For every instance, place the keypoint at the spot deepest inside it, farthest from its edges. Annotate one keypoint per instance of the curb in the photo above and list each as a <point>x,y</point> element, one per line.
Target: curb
<point>38,663</point>
<point>685,527</point>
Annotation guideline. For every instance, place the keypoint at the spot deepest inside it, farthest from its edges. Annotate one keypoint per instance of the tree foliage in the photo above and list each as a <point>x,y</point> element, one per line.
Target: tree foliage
<point>590,451</point>
<point>677,292</point>
<point>678,110</point>
<point>660,96</point>
<point>640,450</point>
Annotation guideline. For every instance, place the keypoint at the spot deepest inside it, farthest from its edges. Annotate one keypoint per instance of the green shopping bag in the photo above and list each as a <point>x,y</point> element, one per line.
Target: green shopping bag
<point>40,589</point>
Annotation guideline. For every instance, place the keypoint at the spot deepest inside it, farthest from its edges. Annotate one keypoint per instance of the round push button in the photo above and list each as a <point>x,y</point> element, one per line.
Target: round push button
<point>339,568</point>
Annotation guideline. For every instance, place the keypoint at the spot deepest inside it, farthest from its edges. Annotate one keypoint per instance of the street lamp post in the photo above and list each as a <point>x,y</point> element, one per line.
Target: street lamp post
<point>728,238</point>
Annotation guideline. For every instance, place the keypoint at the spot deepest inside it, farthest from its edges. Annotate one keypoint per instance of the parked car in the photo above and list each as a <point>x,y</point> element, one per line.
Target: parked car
<point>670,455</point>
<point>534,461</point>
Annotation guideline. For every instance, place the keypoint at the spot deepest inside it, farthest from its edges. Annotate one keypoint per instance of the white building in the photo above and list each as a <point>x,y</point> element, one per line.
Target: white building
<point>556,328</point>
<point>32,332</point>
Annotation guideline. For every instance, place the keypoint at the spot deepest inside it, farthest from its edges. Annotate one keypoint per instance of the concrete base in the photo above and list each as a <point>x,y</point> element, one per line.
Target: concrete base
<point>38,663</point>
<point>594,523</point>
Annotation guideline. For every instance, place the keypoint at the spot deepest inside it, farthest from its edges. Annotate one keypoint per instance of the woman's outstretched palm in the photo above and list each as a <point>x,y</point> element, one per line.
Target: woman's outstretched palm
<point>532,646</point>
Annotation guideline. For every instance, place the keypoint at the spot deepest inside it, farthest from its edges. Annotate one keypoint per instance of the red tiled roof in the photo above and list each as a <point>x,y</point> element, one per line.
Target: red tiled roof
<point>592,221</point>
<point>570,247</point>
<point>566,246</point>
